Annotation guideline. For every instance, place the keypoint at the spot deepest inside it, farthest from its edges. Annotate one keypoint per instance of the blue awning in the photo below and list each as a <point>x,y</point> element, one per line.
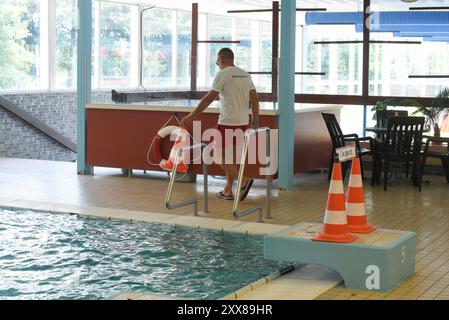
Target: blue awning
<point>426,24</point>
<point>405,28</point>
<point>334,18</point>
<point>431,18</point>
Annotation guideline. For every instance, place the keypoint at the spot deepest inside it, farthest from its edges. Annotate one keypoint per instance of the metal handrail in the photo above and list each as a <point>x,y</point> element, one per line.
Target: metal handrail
<point>235,208</point>
<point>171,184</point>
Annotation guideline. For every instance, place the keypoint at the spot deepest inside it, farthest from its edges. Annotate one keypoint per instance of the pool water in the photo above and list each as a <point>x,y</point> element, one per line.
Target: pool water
<point>62,256</point>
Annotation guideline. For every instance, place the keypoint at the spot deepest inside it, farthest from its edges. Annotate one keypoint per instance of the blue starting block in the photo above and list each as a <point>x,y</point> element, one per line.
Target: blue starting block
<point>376,262</point>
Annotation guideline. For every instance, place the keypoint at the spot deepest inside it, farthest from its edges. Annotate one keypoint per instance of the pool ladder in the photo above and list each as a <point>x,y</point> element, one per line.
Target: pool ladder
<point>171,184</point>
<point>235,209</point>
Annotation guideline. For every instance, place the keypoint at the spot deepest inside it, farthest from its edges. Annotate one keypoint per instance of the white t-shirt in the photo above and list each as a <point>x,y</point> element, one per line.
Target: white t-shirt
<point>234,86</point>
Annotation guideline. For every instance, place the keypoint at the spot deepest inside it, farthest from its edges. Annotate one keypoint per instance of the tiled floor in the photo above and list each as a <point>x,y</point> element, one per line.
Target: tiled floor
<point>401,207</point>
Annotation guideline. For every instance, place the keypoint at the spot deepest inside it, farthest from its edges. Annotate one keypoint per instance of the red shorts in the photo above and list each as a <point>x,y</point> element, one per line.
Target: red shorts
<point>235,134</point>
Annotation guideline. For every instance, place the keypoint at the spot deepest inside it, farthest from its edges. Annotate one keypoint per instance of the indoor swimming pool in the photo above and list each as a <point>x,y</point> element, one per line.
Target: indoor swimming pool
<point>63,256</point>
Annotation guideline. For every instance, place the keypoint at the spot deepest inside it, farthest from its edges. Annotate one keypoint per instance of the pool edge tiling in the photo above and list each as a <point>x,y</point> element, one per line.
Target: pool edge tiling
<point>306,282</point>
<point>250,228</point>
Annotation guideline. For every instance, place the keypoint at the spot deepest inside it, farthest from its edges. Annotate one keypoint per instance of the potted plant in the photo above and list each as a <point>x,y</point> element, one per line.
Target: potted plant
<point>439,108</point>
<point>383,104</point>
<point>434,113</point>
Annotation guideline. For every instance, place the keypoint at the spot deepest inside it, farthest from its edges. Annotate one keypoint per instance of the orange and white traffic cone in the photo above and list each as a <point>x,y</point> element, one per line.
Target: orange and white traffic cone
<point>181,139</point>
<point>355,206</point>
<point>335,227</point>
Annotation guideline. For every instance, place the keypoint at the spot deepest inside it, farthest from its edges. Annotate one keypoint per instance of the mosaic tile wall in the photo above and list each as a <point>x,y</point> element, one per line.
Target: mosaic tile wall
<point>58,110</point>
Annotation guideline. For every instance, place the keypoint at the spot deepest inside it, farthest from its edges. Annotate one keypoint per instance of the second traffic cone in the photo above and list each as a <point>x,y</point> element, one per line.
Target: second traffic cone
<point>335,227</point>
<point>355,206</point>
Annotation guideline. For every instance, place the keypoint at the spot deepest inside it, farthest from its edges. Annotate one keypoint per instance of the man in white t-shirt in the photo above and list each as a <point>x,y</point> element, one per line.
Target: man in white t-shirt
<point>236,91</point>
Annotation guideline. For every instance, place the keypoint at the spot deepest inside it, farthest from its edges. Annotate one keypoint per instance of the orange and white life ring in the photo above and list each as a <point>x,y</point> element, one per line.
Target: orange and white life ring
<point>167,164</point>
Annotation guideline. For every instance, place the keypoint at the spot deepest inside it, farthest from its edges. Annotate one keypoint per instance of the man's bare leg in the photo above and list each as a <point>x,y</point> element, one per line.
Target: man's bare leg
<point>232,173</point>
<point>227,191</point>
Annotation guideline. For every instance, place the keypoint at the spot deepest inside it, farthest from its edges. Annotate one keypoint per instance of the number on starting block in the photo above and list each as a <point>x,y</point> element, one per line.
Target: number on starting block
<point>346,153</point>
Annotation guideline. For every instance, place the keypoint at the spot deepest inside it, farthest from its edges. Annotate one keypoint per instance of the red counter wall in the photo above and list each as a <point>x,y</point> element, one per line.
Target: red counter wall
<point>122,138</point>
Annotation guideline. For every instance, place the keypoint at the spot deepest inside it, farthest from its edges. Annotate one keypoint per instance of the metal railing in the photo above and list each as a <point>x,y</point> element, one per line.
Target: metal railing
<point>171,184</point>
<point>235,208</point>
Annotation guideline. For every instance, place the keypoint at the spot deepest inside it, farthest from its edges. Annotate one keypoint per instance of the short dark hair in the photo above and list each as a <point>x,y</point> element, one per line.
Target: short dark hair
<point>226,52</point>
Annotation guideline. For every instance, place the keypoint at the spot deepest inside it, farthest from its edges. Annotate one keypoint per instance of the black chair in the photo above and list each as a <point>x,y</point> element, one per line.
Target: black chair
<point>443,156</point>
<point>382,119</point>
<point>340,140</point>
<point>402,144</point>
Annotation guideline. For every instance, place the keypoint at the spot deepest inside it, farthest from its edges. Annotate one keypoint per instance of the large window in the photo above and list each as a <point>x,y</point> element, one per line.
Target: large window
<point>184,48</point>
<point>219,28</point>
<point>66,40</point>
<point>253,53</point>
<point>340,63</point>
<point>38,42</point>
<point>243,51</point>
<point>38,46</point>
<point>263,82</point>
<point>391,65</point>
<point>158,33</point>
<point>115,42</point>
<point>38,51</point>
<point>20,63</point>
